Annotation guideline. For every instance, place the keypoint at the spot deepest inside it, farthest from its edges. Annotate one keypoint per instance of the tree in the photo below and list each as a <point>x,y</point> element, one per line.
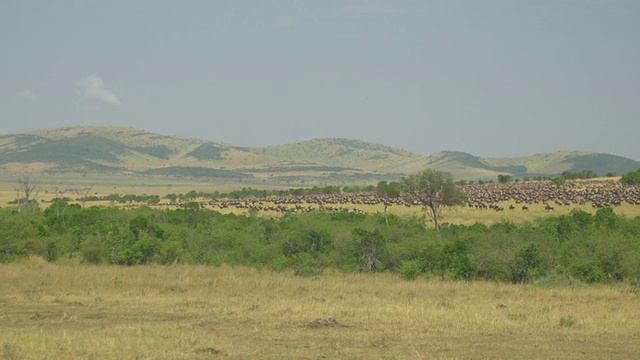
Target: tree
<point>631,178</point>
<point>83,194</point>
<point>388,192</point>
<point>27,193</point>
<point>559,181</point>
<point>434,190</point>
<point>504,179</point>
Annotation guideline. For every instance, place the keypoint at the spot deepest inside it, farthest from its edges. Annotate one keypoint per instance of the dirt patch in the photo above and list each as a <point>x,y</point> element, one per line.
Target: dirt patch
<point>208,351</point>
<point>174,288</point>
<point>325,323</point>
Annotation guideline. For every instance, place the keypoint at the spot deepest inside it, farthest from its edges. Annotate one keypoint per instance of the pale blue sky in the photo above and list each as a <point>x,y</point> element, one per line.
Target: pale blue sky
<point>492,78</point>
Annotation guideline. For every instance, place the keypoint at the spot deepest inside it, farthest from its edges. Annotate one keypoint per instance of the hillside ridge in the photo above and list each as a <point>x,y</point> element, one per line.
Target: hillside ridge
<point>111,149</point>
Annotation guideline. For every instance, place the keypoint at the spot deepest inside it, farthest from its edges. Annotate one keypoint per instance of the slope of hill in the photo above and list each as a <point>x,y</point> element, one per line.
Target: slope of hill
<point>555,163</point>
<point>347,153</point>
<point>321,161</point>
<point>466,166</point>
<point>87,149</point>
<point>134,152</point>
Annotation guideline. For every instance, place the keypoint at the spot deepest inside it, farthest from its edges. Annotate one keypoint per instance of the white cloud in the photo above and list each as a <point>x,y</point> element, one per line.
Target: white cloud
<point>92,86</point>
<point>286,22</point>
<point>377,7</point>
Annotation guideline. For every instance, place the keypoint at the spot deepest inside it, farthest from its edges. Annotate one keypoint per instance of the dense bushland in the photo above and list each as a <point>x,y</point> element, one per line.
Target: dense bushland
<point>592,248</point>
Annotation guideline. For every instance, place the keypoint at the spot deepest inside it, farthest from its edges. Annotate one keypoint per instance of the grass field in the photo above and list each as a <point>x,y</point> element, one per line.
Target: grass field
<point>72,311</point>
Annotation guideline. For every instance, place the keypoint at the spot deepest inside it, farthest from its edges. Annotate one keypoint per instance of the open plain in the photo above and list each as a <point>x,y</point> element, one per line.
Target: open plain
<point>510,209</point>
<point>72,311</point>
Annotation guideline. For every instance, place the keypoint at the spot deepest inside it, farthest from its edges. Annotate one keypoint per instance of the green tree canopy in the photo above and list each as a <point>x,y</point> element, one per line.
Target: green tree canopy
<point>504,179</point>
<point>631,178</point>
<point>388,191</point>
<point>434,190</point>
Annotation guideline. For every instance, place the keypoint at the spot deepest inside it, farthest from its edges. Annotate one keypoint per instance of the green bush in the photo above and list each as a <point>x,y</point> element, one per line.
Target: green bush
<point>92,252</point>
<point>527,264</point>
<point>455,258</point>
<point>606,218</point>
<point>280,263</point>
<point>464,268</point>
<point>588,271</point>
<point>369,249</point>
<point>311,241</point>
<point>579,246</point>
<point>409,270</point>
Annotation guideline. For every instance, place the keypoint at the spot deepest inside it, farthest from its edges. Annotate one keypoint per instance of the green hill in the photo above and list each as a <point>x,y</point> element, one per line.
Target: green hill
<point>346,153</point>
<point>551,164</point>
<point>116,150</point>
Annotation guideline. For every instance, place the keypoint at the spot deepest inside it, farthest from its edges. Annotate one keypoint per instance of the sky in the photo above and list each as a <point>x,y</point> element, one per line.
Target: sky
<point>494,78</point>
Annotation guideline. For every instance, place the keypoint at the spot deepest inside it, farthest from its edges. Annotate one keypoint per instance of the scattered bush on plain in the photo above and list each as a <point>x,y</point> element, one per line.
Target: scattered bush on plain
<point>574,248</point>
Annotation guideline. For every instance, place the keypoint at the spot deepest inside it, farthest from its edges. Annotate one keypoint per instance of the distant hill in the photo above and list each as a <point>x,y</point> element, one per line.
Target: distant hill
<point>551,164</point>
<point>115,150</point>
<point>346,153</point>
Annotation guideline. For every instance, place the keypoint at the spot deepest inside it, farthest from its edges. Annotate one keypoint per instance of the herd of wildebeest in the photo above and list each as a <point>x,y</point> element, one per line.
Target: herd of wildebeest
<point>492,196</point>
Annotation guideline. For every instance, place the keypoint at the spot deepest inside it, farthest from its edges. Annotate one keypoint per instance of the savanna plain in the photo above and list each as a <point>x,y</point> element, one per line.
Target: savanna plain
<point>71,310</point>
<point>75,311</point>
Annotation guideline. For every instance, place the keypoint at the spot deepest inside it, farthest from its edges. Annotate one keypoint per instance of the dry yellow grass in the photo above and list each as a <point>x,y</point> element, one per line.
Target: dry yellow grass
<point>75,311</point>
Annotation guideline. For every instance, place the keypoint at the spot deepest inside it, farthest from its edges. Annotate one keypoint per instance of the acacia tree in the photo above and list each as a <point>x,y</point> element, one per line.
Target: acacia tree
<point>504,179</point>
<point>434,190</point>
<point>27,193</point>
<point>631,178</point>
<point>83,194</point>
<point>388,192</point>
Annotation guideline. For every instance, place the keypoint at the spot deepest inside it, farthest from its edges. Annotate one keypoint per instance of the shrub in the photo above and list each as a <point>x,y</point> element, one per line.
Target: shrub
<point>464,268</point>
<point>455,257</point>
<point>409,270</point>
<point>279,263</point>
<point>527,264</point>
<point>312,242</point>
<point>92,252</point>
<point>169,253</point>
<point>582,218</point>
<point>370,247</point>
<point>51,252</point>
<point>606,218</point>
<point>588,271</point>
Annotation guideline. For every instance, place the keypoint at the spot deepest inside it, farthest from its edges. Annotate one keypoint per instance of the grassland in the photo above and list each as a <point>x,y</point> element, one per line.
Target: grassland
<point>71,311</point>
<point>116,184</point>
<point>67,310</point>
<point>102,185</point>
